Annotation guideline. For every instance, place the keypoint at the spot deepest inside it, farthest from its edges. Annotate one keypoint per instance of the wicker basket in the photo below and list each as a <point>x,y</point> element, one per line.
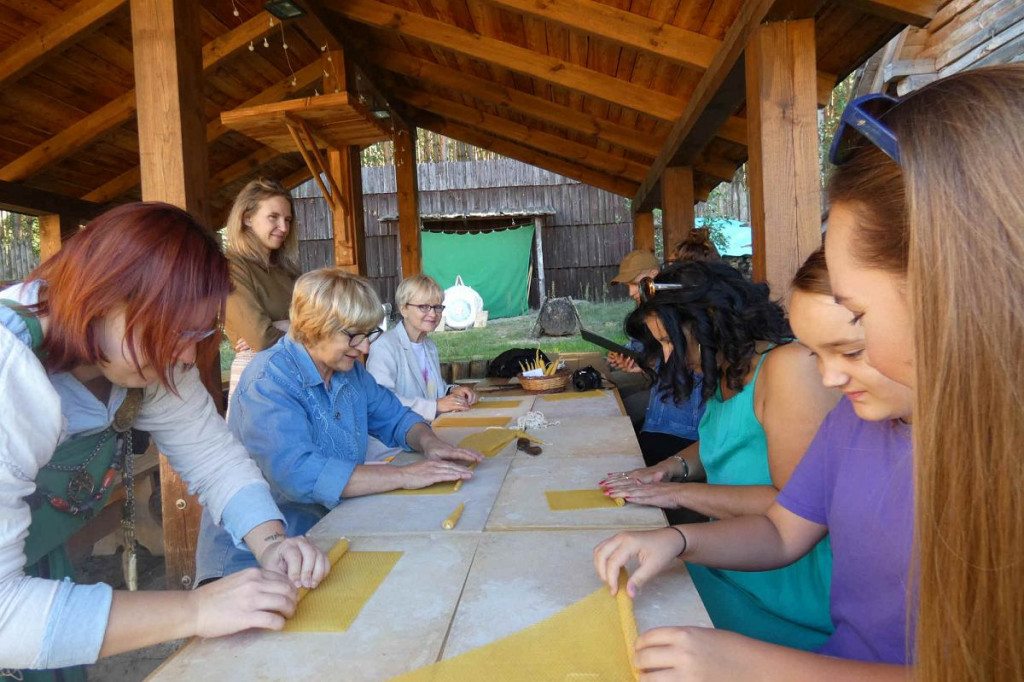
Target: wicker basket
<point>555,383</point>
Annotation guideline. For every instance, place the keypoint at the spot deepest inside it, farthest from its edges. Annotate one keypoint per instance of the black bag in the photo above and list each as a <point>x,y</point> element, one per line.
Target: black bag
<point>507,366</point>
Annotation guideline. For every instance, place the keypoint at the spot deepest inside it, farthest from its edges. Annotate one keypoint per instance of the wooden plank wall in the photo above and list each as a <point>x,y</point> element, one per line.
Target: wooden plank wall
<point>17,258</point>
<point>584,240</point>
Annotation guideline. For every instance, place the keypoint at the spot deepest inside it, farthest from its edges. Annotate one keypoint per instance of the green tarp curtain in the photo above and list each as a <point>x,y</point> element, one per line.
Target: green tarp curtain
<point>496,264</point>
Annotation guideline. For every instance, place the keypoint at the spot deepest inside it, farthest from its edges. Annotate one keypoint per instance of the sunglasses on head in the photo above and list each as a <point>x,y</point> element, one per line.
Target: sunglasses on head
<point>862,120</point>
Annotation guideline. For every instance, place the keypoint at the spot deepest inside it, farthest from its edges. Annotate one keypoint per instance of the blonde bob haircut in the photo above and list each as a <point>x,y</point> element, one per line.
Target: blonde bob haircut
<point>418,287</point>
<point>329,301</point>
<point>242,243</point>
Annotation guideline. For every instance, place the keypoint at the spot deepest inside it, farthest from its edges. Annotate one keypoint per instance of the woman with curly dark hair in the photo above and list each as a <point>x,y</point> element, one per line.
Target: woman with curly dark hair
<point>764,403</point>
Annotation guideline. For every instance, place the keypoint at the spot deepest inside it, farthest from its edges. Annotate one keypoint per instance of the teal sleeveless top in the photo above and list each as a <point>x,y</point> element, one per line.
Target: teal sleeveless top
<point>787,606</point>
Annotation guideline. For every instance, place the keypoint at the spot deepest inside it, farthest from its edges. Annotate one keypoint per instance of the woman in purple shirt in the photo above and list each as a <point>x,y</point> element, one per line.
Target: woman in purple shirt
<point>855,483</point>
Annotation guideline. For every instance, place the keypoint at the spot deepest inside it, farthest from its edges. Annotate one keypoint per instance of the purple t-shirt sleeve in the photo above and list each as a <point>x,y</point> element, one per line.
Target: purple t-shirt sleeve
<point>808,493</point>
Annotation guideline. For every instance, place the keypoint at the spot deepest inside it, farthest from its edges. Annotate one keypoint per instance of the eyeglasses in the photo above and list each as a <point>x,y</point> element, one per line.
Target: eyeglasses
<point>424,308</point>
<point>648,287</point>
<point>198,335</point>
<point>862,118</point>
<point>357,338</point>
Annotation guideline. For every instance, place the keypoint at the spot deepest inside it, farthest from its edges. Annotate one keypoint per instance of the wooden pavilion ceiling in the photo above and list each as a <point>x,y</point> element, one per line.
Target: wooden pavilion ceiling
<point>605,91</point>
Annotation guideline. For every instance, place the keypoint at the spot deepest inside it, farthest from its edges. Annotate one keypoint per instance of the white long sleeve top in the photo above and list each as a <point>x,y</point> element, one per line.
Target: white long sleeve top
<point>50,623</point>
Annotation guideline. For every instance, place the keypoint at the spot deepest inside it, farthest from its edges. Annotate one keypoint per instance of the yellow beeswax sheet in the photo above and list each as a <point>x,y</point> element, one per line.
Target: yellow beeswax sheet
<point>469,422</point>
<point>489,442</point>
<point>590,498</point>
<point>592,640</point>
<point>574,396</point>
<point>336,602</point>
<point>496,405</point>
<point>444,488</point>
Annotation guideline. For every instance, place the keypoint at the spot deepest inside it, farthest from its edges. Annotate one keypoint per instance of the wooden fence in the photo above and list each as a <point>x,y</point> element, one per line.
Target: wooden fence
<point>17,255</point>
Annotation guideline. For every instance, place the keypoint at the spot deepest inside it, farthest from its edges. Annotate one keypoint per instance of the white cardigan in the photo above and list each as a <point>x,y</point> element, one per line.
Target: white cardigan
<point>393,363</point>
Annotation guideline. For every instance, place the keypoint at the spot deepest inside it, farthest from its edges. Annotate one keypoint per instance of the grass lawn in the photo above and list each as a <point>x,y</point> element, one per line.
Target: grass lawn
<point>514,332</point>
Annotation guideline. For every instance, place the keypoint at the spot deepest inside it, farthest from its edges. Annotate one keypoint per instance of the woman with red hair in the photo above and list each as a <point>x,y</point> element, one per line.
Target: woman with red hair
<point>104,335</point>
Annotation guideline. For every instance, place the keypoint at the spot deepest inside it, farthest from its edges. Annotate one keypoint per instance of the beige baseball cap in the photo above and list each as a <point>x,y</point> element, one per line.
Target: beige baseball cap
<point>633,264</point>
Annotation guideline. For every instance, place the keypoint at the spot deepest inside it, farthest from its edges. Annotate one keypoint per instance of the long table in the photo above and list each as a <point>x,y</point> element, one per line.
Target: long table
<point>509,563</point>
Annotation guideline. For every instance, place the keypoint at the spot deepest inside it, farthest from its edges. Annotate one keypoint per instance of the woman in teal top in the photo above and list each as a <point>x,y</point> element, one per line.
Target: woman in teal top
<point>764,403</point>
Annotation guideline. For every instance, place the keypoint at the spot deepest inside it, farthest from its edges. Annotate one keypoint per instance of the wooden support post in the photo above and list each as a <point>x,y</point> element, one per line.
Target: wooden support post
<point>49,235</point>
<point>173,165</point>
<point>409,239</point>
<point>538,241</point>
<point>643,231</point>
<point>347,214</point>
<point>677,206</point>
<point>782,131</point>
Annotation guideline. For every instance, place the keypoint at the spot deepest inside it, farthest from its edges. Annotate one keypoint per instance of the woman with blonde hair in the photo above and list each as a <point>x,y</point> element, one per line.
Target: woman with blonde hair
<point>263,252</point>
<point>925,247</point>
<point>305,410</point>
<point>406,361</point>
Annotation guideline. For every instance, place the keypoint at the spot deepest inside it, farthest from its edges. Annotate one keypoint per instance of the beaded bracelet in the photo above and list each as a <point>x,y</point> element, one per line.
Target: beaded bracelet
<point>686,467</point>
<point>683,550</point>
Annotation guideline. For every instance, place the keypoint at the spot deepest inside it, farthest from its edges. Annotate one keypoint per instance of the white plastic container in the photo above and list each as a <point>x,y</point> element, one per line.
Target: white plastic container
<point>462,304</point>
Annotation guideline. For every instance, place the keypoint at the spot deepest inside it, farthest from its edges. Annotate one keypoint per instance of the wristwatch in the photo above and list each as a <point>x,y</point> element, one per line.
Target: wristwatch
<point>686,467</point>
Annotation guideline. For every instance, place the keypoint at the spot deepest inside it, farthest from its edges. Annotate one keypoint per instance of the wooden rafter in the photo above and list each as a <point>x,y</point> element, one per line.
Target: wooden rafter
<point>526,136</point>
<point>516,100</point>
<point>129,180</point>
<point>912,12</point>
<point>242,167</point>
<point>512,57</point>
<point>55,36</point>
<point>485,140</point>
<point>119,111</point>
<point>688,48</point>
<point>29,200</point>
<point>751,14</point>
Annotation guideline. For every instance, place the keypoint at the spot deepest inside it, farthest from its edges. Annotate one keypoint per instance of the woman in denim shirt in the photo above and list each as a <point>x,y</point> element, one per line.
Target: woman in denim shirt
<point>305,408</point>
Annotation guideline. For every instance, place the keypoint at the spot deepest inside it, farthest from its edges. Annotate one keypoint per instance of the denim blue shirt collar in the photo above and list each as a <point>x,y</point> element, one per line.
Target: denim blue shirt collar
<point>303,361</point>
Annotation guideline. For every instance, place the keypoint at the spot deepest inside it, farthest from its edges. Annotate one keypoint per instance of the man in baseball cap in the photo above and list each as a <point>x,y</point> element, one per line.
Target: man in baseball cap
<point>633,268</point>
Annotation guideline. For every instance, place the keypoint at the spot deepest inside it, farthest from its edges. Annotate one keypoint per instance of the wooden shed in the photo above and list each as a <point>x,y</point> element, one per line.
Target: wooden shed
<point>654,100</point>
<point>582,231</point>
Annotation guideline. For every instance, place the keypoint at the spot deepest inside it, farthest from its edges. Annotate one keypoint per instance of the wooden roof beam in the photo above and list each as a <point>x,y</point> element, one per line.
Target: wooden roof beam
<point>688,48</point>
<point>512,57</point>
<point>127,181</point>
<point>242,167</point>
<point>526,136</point>
<point>118,112</point>
<point>486,140</point>
<point>31,201</point>
<point>727,69</point>
<point>55,36</point>
<point>911,12</point>
<point>516,100</point>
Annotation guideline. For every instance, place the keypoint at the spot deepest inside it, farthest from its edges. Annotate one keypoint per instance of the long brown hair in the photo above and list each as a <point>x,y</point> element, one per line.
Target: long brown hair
<point>954,222</point>
<point>242,243</point>
<point>154,260</point>
<point>812,277</point>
